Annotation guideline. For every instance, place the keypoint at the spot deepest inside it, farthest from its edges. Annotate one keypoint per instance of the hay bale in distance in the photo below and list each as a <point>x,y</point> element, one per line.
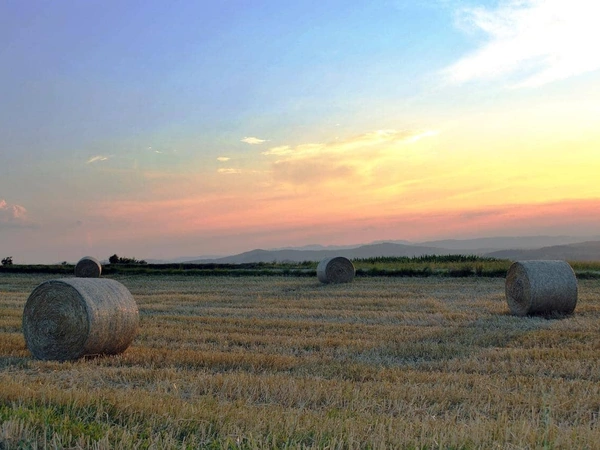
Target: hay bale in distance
<point>88,267</point>
<point>68,318</point>
<point>336,270</point>
<point>541,287</point>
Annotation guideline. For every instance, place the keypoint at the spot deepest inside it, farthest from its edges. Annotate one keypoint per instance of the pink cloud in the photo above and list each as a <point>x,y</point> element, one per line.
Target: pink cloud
<point>13,215</point>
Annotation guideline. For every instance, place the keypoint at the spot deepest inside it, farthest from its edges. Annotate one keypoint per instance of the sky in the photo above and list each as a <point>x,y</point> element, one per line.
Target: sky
<point>157,130</point>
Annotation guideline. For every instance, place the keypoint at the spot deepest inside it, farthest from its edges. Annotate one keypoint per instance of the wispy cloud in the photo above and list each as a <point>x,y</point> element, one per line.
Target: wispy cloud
<point>530,43</point>
<point>279,151</point>
<point>354,159</point>
<point>424,134</point>
<point>229,171</point>
<point>363,141</point>
<point>223,159</point>
<point>253,140</point>
<point>98,158</point>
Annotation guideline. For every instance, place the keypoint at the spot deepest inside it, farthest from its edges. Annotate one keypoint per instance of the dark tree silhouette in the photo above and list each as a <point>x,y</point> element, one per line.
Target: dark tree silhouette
<point>114,259</point>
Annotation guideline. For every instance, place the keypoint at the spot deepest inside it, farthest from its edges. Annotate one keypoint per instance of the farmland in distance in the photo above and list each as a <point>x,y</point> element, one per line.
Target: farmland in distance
<point>264,362</point>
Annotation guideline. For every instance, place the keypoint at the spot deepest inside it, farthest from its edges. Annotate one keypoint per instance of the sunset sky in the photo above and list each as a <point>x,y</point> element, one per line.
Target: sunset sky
<point>157,129</point>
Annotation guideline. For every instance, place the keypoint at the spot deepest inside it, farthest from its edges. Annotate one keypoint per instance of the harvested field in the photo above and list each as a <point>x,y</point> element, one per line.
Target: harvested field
<point>263,362</point>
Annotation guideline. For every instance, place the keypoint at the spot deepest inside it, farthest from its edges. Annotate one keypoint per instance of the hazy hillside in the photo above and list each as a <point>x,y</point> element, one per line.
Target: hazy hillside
<point>519,247</point>
<point>583,251</point>
<point>365,251</point>
<point>507,242</point>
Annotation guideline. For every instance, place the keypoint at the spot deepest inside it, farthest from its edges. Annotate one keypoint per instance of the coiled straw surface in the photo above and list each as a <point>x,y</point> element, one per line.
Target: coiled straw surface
<point>335,270</point>
<point>68,318</point>
<point>541,287</point>
<point>88,267</point>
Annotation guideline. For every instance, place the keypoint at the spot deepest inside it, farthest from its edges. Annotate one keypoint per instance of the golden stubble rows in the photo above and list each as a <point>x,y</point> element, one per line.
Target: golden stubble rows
<point>380,362</point>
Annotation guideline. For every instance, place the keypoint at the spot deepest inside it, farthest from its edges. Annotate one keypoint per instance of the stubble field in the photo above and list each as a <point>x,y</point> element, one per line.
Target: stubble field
<point>285,362</point>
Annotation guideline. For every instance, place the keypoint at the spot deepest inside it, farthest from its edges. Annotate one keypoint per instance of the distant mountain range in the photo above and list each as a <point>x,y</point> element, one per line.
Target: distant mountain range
<point>583,251</point>
<point>514,248</point>
<point>364,251</point>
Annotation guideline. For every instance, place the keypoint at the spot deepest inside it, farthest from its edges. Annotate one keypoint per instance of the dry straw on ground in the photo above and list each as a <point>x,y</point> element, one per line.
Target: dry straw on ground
<point>69,318</point>
<point>541,287</point>
<point>336,270</point>
<point>88,267</point>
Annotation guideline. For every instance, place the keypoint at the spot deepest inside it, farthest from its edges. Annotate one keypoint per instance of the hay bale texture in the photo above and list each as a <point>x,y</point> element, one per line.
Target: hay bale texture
<point>541,287</point>
<point>336,270</point>
<point>88,267</point>
<point>69,318</point>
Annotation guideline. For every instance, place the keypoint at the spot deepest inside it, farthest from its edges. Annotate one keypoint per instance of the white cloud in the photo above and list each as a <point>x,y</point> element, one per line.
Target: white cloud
<point>253,140</point>
<point>229,171</point>
<point>223,158</point>
<point>531,42</point>
<point>97,158</point>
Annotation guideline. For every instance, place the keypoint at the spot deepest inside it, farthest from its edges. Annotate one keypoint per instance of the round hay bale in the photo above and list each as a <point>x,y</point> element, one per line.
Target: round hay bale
<point>88,267</point>
<point>336,270</point>
<point>541,287</point>
<point>73,317</point>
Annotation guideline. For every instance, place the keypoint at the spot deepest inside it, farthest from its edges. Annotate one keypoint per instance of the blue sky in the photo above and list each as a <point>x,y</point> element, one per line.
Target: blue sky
<point>217,127</point>
<point>85,71</point>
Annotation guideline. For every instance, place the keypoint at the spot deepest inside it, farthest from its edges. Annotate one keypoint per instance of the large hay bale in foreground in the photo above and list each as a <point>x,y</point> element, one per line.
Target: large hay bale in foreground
<point>68,318</point>
<point>336,270</point>
<point>541,287</point>
<point>88,267</point>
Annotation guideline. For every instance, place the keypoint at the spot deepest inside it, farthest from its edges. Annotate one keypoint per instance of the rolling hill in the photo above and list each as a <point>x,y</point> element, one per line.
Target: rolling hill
<point>580,251</point>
